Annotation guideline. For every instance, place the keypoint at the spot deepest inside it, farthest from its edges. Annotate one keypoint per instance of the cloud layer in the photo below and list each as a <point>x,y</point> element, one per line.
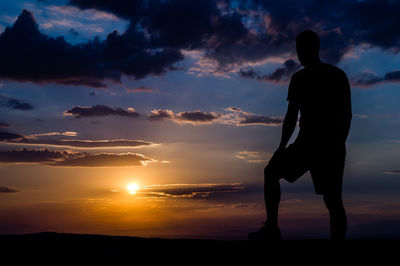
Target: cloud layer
<point>188,190</point>
<point>73,159</point>
<point>280,74</point>
<point>99,110</point>
<point>367,78</point>
<point>8,190</point>
<point>13,103</point>
<point>232,33</point>
<point>88,64</point>
<point>231,116</point>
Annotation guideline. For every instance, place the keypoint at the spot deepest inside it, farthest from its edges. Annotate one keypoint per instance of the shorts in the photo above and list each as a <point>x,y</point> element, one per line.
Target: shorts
<point>326,165</point>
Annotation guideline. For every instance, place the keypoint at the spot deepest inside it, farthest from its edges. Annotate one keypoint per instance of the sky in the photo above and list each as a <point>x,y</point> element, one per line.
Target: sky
<point>185,100</point>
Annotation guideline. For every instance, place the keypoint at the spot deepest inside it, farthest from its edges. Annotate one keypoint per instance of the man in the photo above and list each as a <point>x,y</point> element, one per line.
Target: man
<point>321,93</point>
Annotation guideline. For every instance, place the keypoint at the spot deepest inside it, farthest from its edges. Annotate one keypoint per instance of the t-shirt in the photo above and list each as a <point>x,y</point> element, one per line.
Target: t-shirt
<point>322,92</point>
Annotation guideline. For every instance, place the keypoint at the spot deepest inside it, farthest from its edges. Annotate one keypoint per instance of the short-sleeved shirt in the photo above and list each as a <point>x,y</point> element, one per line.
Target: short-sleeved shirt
<point>322,93</point>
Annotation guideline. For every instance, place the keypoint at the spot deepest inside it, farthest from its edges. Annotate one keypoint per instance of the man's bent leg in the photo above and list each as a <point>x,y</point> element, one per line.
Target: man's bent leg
<point>272,195</point>
<point>337,213</point>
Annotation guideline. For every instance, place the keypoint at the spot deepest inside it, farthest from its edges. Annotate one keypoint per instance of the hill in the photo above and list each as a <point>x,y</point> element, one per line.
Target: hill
<point>101,247</point>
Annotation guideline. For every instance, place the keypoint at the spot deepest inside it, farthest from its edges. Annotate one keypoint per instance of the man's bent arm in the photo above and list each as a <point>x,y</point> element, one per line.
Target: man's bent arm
<point>289,124</point>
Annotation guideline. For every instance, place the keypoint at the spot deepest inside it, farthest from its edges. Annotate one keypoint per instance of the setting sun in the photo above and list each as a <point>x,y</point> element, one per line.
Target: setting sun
<point>133,188</point>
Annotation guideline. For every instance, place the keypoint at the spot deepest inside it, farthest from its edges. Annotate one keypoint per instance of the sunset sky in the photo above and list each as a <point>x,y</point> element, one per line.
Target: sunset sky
<point>185,99</point>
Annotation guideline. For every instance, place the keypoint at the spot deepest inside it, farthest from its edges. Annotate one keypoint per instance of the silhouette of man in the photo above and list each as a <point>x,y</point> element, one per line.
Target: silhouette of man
<point>321,93</point>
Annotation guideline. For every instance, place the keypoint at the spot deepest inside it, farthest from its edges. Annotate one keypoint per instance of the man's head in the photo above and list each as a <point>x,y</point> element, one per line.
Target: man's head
<point>307,46</point>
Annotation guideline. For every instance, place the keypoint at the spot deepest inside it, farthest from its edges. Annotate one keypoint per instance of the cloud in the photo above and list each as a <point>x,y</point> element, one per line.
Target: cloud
<point>188,190</point>
<point>260,120</point>
<point>8,190</point>
<point>233,34</point>
<point>280,74</point>
<point>66,133</point>
<point>86,144</point>
<point>73,159</point>
<point>36,139</point>
<point>139,89</point>
<point>9,136</point>
<point>161,114</point>
<point>14,103</point>
<point>106,160</point>
<point>100,110</point>
<point>122,8</point>
<point>393,172</point>
<point>250,156</point>
<point>89,64</point>
<point>235,116</point>
<point>367,78</point>
<point>393,76</point>
<point>362,116</point>
<point>34,156</point>
<point>192,117</point>
<point>4,124</point>
<point>196,117</point>
<point>242,118</point>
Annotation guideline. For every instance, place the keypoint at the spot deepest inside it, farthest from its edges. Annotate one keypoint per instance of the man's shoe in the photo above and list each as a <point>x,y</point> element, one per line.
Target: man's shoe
<point>266,232</point>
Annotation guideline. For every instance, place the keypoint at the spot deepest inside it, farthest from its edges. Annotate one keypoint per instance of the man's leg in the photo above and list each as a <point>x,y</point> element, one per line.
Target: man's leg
<point>272,195</point>
<point>337,213</point>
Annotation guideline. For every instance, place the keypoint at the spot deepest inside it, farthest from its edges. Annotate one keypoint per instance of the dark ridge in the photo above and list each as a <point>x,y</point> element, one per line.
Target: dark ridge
<point>147,250</point>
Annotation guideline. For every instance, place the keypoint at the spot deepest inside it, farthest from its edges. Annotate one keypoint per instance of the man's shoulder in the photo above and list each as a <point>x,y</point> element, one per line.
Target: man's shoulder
<point>334,69</point>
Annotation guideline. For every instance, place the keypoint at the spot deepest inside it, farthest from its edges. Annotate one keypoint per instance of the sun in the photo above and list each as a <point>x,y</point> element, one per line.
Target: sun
<point>132,188</point>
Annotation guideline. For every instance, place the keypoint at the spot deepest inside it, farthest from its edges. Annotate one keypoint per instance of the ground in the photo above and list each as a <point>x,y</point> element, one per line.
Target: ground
<point>61,248</point>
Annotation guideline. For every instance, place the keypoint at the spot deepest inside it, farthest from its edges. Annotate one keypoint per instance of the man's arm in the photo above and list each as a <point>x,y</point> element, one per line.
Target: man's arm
<point>289,124</point>
<point>347,109</point>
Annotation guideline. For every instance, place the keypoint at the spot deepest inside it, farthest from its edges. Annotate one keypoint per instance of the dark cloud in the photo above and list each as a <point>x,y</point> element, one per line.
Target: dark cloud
<point>8,190</point>
<point>192,117</point>
<point>73,32</point>
<point>196,116</point>
<point>105,160</point>
<point>243,118</point>
<point>260,120</point>
<point>34,156</point>
<point>4,125</point>
<point>73,159</point>
<point>100,110</point>
<point>236,116</point>
<point>117,143</point>
<point>14,103</point>
<point>122,8</point>
<point>393,76</point>
<point>280,74</point>
<point>87,64</point>
<point>231,32</point>
<point>9,136</point>
<point>284,73</point>
<point>188,190</point>
<point>366,79</point>
<point>161,114</point>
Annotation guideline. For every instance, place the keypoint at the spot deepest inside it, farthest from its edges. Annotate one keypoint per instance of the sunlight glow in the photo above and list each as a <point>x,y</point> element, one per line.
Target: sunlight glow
<point>132,188</point>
